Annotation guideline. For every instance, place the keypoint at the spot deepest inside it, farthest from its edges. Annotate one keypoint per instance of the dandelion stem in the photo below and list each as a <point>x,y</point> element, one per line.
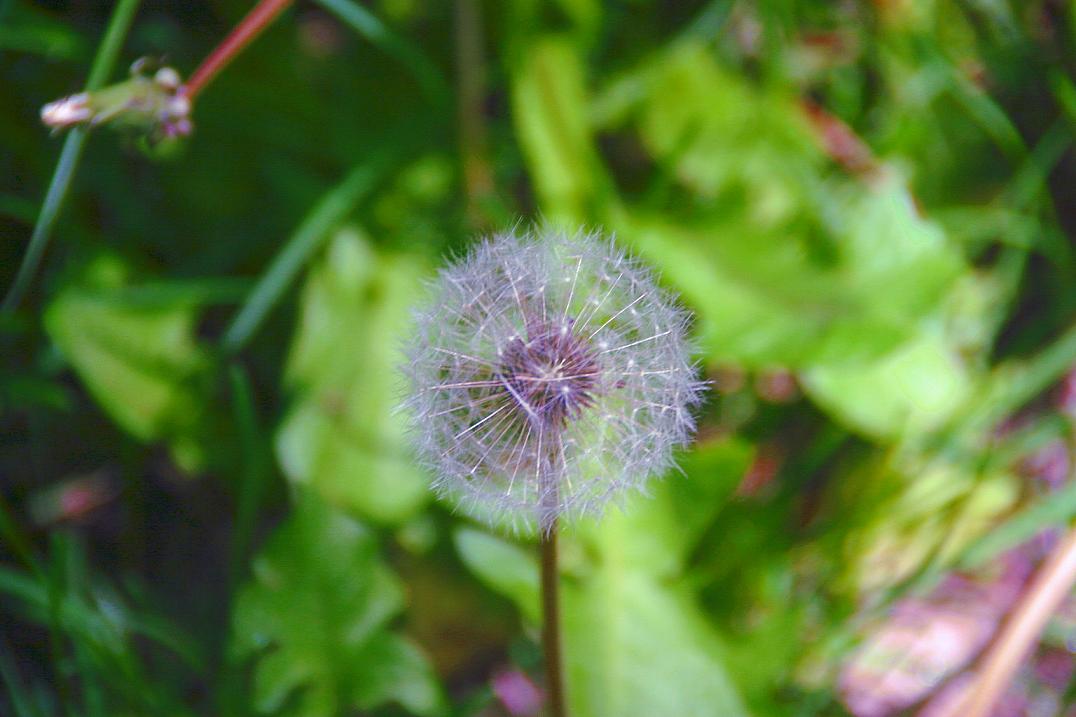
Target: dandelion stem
<point>549,498</point>
<point>551,621</point>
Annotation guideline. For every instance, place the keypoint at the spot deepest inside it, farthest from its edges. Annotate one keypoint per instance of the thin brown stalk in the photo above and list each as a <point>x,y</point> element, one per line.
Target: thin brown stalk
<point>551,644</point>
<point>1051,584</point>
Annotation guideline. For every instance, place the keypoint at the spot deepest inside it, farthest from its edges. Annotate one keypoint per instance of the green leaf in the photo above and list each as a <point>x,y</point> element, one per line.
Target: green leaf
<point>717,130</point>
<point>635,644</point>
<point>141,363</point>
<point>781,295</point>
<point>654,533</point>
<point>749,314</point>
<point>341,434</point>
<point>920,385</point>
<point>506,567</point>
<point>909,391</point>
<point>401,675</point>
<point>896,262</point>
<point>637,647</point>
<point>785,264</point>
<point>315,618</point>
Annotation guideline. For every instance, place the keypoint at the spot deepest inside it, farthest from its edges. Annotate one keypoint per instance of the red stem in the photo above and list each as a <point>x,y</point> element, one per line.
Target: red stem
<point>241,35</point>
<point>839,140</point>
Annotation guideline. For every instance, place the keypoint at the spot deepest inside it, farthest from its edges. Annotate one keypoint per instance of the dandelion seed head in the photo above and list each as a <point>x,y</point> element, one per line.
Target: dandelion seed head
<point>548,375</point>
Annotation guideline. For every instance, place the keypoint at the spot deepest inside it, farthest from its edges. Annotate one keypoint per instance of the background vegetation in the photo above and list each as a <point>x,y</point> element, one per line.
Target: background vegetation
<point>209,506</point>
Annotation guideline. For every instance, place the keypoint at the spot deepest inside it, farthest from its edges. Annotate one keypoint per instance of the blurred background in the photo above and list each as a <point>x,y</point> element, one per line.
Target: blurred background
<point>207,502</point>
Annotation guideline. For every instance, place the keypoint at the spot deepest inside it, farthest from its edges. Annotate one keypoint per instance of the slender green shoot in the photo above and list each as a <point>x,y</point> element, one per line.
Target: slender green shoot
<point>303,244</point>
<point>103,64</point>
<point>19,696</point>
<point>255,469</point>
<point>369,26</point>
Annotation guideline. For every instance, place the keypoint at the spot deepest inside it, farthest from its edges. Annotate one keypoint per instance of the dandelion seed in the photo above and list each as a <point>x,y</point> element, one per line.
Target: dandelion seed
<point>549,374</point>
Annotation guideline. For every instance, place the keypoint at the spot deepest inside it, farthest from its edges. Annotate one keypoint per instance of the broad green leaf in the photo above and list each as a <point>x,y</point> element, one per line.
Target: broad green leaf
<point>342,435</point>
<point>506,567</point>
<point>746,314</point>
<point>764,297</point>
<point>636,641</point>
<point>141,364</point>
<point>637,646</point>
<point>785,264</point>
<point>899,264</point>
<point>917,387</point>
<point>654,533</point>
<point>909,391</point>
<point>315,617</point>
<point>718,131</point>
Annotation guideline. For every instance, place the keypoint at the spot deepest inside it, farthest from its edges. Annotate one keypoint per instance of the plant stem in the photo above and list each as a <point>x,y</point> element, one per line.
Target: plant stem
<point>308,238</point>
<point>554,675</point>
<point>103,63</point>
<point>471,90</point>
<point>1051,585</point>
<point>237,40</point>
<point>255,471</point>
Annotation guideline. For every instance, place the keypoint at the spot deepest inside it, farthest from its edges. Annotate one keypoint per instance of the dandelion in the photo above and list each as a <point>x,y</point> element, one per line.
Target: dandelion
<point>549,375</point>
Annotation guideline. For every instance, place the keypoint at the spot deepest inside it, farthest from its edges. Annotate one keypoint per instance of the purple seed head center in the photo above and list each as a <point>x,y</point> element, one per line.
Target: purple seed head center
<point>551,374</point>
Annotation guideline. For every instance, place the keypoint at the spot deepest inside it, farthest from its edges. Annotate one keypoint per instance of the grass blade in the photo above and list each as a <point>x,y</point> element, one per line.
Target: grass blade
<point>103,64</point>
<point>306,240</point>
<point>20,700</point>
<point>255,471</point>
<point>312,233</point>
<point>366,24</point>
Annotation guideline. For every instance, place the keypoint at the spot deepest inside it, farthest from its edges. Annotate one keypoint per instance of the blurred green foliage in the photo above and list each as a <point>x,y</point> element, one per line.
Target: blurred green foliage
<point>315,616</point>
<point>343,434</point>
<point>208,503</point>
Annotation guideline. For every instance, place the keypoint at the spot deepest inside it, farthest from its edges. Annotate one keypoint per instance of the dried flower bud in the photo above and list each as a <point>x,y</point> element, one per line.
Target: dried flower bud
<point>67,111</point>
<point>548,375</point>
<point>154,106</point>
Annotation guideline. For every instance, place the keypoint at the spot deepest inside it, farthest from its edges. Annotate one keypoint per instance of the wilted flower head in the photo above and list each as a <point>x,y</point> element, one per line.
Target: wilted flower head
<point>548,374</point>
<point>155,106</point>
